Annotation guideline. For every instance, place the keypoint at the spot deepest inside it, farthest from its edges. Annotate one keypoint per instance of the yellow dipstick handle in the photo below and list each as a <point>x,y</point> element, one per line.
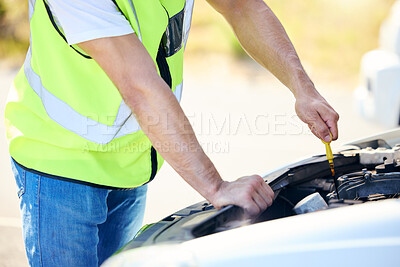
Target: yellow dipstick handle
<point>329,155</point>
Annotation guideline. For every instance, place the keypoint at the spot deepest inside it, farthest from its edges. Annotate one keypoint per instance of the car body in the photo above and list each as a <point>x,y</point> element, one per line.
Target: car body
<point>361,227</point>
<point>378,96</point>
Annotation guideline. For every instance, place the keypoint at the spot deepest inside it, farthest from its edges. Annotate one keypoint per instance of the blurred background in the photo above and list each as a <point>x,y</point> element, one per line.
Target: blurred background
<point>243,116</point>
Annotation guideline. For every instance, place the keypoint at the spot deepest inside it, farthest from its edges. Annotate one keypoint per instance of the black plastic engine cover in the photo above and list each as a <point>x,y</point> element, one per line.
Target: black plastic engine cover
<point>362,185</point>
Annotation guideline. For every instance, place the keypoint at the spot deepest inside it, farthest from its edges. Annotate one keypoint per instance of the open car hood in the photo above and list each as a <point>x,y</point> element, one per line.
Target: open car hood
<point>362,180</point>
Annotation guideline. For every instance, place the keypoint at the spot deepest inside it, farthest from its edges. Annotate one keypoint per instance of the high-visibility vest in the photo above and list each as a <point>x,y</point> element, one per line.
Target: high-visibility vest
<point>66,118</point>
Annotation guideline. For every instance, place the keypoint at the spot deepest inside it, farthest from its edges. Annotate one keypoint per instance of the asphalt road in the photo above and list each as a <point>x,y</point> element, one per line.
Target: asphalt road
<point>244,119</point>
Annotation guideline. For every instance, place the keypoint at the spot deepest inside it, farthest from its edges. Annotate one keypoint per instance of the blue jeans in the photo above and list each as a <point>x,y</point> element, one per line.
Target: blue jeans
<point>69,224</point>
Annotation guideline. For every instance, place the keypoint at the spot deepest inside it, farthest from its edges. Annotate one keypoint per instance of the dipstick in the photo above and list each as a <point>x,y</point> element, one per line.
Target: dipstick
<point>329,156</point>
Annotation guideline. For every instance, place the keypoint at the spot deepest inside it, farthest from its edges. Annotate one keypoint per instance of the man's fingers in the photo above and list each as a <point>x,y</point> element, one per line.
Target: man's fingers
<point>320,117</point>
<point>250,193</point>
<point>320,129</point>
<point>258,196</point>
<point>330,118</point>
<point>266,193</point>
<point>264,190</point>
<point>260,201</point>
<point>333,127</point>
<point>251,207</point>
<point>332,123</point>
<point>263,195</point>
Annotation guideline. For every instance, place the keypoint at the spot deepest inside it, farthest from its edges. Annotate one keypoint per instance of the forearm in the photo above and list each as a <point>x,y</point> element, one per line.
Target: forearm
<point>156,109</point>
<point>127,63</point>
<point>264,38</point>
<point>164,122</point>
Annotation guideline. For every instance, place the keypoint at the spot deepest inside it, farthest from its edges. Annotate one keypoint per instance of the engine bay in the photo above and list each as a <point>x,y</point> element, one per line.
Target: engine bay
<point>365,171</point>
<point>374,176</point>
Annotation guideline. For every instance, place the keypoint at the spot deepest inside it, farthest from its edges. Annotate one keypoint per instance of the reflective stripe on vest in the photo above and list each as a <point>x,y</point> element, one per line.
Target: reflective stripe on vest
<point>59,111</point>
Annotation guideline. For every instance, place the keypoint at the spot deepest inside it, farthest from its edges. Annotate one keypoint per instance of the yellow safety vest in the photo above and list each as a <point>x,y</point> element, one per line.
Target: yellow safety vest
<point>65,117</point>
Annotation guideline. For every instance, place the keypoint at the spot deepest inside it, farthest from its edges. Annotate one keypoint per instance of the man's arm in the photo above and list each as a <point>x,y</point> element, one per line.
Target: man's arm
<point>128,64</point>
<point>264,38</point>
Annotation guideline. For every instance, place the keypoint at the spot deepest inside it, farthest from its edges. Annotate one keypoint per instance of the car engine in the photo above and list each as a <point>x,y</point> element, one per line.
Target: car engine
<point>365,171</point>
<point>374,176</point>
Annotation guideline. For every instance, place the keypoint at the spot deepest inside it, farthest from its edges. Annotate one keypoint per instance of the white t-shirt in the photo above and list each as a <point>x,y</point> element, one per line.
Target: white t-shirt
<point>84,20</point>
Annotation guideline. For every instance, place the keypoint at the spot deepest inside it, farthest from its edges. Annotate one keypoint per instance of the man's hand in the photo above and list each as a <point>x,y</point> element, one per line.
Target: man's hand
<point>320,117</point>
<point>251,193</point>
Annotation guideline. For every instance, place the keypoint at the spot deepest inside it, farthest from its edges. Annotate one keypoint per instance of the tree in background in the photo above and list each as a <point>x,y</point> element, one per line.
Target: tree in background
<point>14,28</point>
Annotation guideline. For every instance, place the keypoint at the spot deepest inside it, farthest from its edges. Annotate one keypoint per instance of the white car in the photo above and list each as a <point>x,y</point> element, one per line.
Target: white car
<point>310,223</point>
<point>378,96</point>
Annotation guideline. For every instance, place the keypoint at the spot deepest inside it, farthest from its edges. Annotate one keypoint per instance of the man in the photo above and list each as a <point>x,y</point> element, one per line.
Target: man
<point>95,110</point>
